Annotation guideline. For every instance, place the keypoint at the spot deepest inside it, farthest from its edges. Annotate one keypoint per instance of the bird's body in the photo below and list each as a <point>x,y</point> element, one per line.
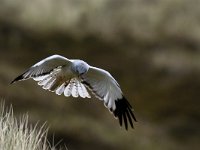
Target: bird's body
<point>74,77</point>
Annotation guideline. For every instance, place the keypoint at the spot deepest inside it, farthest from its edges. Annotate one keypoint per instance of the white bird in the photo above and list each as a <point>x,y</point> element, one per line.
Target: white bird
<point>73,77</point>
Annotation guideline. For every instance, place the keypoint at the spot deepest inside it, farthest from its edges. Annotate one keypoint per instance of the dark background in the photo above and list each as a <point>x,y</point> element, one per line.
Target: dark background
<point>152,47</point>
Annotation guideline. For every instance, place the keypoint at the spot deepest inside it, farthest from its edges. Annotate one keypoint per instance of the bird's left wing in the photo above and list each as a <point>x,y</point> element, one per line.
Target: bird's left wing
<point>106,88</point>
<point>55,74</point>
<point>44,67</point>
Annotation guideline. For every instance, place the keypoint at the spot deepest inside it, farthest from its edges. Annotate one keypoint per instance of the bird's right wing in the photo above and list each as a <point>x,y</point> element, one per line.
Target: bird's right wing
<point>106,88</point>
<point>44,67</point>
<point>103,86</point>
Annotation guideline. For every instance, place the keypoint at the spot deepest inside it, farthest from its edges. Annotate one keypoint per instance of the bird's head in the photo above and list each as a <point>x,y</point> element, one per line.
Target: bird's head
<point>80,67</point>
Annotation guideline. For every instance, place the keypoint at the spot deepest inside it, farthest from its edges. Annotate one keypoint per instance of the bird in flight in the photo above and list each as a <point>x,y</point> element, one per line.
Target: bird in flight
<point>73,77</point>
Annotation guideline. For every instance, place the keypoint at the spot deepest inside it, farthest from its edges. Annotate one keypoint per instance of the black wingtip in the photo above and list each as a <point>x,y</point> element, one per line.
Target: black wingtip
<point>17,79</point>
<point>124,113</point>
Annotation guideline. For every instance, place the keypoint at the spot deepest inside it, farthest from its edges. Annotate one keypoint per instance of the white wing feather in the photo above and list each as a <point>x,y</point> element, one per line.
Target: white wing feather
<point>43,68</point>
<point>103,85</point>
<point>106,88</point>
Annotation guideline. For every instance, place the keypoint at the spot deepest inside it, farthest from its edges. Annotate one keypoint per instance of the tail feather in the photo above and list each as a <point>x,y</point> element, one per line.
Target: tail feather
<point>75,92</point>
<point>68,89</point>
<point>61,89</point>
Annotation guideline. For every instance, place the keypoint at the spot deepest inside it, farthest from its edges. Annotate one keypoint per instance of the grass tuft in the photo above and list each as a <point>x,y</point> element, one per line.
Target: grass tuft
<point>19,134</point>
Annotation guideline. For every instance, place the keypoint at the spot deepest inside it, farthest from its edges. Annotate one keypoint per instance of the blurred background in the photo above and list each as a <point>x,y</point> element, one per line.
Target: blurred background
<point>152,47</point>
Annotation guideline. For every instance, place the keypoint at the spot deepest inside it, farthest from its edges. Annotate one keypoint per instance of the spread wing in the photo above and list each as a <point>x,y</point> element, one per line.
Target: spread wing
<point>54,74</point>
<point>44,67</point>
<point>106,88</point>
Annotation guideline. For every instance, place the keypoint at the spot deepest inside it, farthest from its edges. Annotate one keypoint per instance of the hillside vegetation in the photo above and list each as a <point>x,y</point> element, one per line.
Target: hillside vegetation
<point>151,47</point>
<point>19,134</point>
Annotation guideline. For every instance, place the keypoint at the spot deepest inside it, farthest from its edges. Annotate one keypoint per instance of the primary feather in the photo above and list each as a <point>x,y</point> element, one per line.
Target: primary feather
<point>73,77</point>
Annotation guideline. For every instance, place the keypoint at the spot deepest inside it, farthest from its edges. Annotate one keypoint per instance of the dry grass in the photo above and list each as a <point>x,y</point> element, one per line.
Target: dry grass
<point>157,39</point>
<point>19,135</point>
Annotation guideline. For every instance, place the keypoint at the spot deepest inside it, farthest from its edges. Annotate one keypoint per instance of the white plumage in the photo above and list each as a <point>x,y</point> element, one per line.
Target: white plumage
<point>73,77</point>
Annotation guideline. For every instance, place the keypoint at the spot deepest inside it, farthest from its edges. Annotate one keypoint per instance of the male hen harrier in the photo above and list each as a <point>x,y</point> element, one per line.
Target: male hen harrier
<point>73,77</point>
